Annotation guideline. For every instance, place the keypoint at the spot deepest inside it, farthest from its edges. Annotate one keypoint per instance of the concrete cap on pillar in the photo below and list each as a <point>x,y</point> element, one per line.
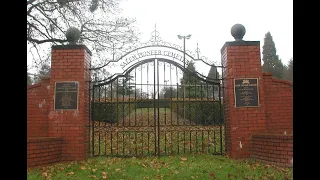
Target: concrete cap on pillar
<point>238,31</point>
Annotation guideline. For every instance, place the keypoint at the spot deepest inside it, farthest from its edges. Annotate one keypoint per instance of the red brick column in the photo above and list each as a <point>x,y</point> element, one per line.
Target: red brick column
<point>71,63</point>
<point>242,60</point>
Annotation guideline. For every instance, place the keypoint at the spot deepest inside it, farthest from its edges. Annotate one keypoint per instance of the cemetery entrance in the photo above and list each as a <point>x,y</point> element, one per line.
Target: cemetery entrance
<point>156,100</point>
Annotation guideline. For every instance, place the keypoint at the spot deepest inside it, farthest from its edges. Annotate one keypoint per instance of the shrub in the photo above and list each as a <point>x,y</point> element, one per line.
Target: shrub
<point>149,103</point>
<point>111,111</point>
<point>200,112</point>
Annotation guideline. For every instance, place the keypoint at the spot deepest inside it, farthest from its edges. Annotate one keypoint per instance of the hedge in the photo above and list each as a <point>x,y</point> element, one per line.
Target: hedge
<point>200,112</point>
<point>206,112</point>
<point>149,103</point>
<point>108,111</point>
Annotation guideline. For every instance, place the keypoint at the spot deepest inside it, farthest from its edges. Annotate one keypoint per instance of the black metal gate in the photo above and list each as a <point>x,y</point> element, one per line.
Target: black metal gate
<point>157,106</point>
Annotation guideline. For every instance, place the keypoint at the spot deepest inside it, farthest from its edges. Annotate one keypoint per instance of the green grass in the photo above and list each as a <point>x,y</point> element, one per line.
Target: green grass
<point>201,166</point>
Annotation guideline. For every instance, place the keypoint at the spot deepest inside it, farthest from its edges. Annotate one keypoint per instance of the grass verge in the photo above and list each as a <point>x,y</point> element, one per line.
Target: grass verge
<point>201,166</point>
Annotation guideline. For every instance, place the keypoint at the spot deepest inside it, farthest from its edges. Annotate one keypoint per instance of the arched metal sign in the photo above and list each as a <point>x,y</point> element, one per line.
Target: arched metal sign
<point>156,99</point>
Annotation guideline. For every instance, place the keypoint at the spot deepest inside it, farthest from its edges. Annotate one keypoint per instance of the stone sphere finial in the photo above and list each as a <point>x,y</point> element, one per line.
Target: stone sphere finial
<point>238,31</point>
<point>73,35</point>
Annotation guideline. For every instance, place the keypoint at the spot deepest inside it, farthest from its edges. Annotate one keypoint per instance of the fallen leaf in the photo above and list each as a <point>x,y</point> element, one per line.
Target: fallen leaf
<point>176,172</point>
<point>118,169</point>
<point>192,177</point>
<point>61,168</point>
<point>183,158</point>
<point>71,173</point>
<point>104,175</point>
<point>45,174</point>
<point>94,170</point>
<point>211,174</point>
<point>82,167</point>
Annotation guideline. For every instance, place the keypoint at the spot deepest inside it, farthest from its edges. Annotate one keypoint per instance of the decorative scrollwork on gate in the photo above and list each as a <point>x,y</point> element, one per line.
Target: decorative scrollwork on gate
<point>156,41</point>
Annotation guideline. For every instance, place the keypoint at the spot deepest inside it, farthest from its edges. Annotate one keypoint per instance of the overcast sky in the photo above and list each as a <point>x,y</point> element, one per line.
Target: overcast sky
<point>209,22</point>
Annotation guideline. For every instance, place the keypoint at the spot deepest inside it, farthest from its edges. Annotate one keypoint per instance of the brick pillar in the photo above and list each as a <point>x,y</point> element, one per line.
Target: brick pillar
<point>70,63</point>
<point>242,60</point>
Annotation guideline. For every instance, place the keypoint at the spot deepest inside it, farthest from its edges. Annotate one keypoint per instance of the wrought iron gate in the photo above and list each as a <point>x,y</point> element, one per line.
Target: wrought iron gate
<point>157,106</point>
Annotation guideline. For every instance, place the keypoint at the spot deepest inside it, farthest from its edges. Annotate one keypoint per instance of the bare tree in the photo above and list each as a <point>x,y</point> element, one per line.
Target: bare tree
<point>101,27</point>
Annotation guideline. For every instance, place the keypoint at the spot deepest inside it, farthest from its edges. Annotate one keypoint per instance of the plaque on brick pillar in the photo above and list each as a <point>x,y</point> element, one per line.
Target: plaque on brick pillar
<point>66,95</point>
<point>246,92</point>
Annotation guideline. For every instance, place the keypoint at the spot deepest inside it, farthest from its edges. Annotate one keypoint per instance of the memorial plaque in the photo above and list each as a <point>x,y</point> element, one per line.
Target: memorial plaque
<point>66,95</point>
<point>246,92</point>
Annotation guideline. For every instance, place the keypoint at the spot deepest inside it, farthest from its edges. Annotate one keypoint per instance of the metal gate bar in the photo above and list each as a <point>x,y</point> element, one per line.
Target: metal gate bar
<point>121,116</point>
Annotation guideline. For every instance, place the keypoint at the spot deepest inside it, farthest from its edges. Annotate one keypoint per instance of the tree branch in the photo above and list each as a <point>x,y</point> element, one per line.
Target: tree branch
<point>38,4</point>
<point>30,2</point>
<point>36,28</point>
<point>45,15</point>
<point>46,40</point>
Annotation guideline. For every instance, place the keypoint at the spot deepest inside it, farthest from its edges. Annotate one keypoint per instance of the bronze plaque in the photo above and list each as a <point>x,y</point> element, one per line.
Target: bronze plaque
<point>246,92</point>
<point>66,95</point>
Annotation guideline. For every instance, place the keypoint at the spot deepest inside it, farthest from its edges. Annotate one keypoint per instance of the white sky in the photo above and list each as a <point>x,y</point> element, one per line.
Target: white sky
<point>209,22</point>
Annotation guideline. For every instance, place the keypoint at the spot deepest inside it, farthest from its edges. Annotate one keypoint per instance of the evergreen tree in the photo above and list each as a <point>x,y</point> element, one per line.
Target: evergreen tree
<point>168,92</point>
<point>194,88</point>
<point>29,79</point>
<point>123,86</point>
<point>271,62</point>
<point>44,70</point>
<point>213,76</point>
<point>288,73</point>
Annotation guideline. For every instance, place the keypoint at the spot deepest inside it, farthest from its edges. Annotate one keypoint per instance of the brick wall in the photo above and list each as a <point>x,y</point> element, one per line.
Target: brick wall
<point>37,108</point>
<point>279,105</point>
<point>273,149</point>
<point>242,60</point>
<point>59,135</point>
<point>274,115</point>
<point>43,151</point>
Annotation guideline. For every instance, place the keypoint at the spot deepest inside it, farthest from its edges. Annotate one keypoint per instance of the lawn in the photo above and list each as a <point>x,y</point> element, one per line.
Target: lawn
<point>200,166</point>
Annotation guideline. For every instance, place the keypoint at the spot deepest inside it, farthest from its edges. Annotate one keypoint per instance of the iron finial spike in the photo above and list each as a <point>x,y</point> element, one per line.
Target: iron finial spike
<point>155,31</point>
<point>197,50</point>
